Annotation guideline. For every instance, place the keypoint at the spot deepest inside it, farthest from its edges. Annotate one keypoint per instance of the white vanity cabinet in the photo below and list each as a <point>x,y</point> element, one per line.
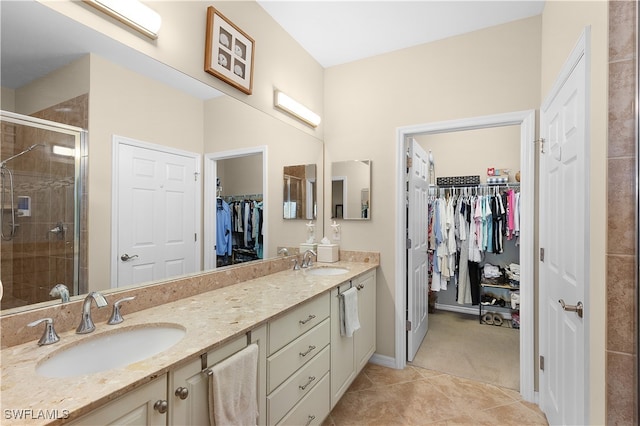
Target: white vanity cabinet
<point>298,365</point>
<point>350,354</point>
<point>189,385</point>
<point>146,405</point>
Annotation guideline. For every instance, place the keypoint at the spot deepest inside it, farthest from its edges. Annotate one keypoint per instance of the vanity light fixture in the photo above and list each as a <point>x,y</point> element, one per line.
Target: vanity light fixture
<point>293,107</point>
<point>132,13</point>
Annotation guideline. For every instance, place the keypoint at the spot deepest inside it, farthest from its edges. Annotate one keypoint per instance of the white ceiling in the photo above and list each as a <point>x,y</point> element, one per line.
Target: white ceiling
<point>333,32</point>
<point>337,32</point>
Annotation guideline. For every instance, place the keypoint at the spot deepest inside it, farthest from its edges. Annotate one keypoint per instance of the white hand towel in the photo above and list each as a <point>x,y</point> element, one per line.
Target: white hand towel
<point>349,321</point>
<point>233,385</point>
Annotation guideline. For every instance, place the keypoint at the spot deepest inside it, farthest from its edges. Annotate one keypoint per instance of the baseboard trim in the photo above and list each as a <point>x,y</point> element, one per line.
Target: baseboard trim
<point>471,311</point>
<point>383,360</point>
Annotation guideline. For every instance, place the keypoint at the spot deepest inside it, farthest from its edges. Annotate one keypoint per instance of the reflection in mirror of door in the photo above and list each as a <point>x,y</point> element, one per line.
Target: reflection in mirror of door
<point>239,210</point>
<point>351,190</point>
<point>299,192</point>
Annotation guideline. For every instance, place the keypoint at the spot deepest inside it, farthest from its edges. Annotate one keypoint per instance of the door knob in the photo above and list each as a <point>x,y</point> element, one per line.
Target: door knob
<point>125,257</point>
<point>578,308</point>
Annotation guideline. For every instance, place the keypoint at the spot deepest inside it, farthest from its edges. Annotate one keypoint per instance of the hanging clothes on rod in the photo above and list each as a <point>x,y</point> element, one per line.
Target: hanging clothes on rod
<point>246,212</point>
<point>464,223</point>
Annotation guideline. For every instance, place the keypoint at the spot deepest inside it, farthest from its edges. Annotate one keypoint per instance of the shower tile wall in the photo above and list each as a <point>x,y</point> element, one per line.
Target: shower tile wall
<point>37,259</point>
<point>622,327</point>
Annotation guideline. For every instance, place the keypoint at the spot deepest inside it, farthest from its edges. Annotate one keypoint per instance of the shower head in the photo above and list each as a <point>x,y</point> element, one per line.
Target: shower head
<point>32,147</point>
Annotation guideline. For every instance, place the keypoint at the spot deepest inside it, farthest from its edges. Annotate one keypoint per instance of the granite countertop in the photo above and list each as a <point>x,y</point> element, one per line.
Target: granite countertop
<point>210,320</point>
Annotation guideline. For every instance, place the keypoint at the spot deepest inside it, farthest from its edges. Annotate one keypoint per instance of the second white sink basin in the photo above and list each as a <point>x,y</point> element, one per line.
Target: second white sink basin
<point>327,270</point>
<point>111,350</point>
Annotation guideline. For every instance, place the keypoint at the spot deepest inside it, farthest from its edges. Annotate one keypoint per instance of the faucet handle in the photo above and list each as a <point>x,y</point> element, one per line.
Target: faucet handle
<point>116,316</point>
<point>296,266</point>
<point>49,336</point>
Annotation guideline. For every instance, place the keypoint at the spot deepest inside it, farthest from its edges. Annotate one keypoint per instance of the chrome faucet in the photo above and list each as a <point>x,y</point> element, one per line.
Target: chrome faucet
<point>86,323</point>
<point>306,258</point>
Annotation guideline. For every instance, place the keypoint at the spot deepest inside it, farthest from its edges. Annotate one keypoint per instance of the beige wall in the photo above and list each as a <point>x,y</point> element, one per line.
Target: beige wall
<point>485,72</point>
<point>61,85</point>
<point>562,24</point>
<point>474,151</point>
<point>280,62</point>
<point>7,99</point>
<point>241,176</point>
<point>127,104</point>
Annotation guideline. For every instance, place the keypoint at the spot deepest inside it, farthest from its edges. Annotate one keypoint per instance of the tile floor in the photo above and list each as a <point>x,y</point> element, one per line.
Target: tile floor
<point>416,396</point>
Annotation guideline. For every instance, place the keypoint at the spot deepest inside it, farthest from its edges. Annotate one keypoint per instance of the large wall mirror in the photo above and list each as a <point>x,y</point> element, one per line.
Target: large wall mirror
<point>300,192</point>
<point>148,105</point>
<point>351,190</point>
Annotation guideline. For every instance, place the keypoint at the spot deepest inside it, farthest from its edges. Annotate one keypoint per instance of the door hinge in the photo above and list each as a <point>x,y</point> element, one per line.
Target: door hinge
<point>195,176</point>
<point>541,140</point>
<point>409,162</point>
<point>195,237</point>
<point>541,362</point>
<point>408,326</point>
<point>408,243</point>
<point>541,254</point>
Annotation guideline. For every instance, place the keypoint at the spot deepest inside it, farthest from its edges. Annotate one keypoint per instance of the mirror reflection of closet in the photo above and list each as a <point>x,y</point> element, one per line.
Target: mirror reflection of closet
<point>351,190</point>
<point>299,192</point>
<point>239,186</point>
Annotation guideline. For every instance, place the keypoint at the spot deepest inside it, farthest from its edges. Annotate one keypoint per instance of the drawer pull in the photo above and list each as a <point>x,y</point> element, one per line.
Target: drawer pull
<point>360,286</point>
<point>303,322</point>
<point>311,418</point>
<point>311,347</point>
<point>311,379</point>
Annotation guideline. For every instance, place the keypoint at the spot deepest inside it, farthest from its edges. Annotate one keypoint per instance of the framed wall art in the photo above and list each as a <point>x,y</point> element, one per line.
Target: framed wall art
<point>228,52</point>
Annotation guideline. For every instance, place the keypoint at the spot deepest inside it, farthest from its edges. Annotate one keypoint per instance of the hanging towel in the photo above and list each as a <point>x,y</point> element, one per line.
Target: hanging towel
<point>349,321</point>
<point>233,384</point>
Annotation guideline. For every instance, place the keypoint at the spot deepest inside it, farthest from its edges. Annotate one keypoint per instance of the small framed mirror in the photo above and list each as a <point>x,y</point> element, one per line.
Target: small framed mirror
<point>351,190</point>
<point>300,192</point>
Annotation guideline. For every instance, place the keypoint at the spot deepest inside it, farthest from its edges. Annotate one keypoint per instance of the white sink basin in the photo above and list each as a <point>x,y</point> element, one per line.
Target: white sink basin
<point>327,270</point>
<point>110,350</point>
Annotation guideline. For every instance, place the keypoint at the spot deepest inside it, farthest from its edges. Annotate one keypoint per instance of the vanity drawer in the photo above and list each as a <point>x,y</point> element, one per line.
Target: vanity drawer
<point>297,386</point>
<point>296,354</point>
<point>303,318</point>
<point>313,408</point>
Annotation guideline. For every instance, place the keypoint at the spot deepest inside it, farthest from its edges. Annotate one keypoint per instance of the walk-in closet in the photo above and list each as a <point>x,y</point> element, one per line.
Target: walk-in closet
<point>473,234</point>
<point>239,210</point>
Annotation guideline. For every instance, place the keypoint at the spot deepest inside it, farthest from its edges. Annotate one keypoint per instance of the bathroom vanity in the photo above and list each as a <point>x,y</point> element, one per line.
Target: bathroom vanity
<point>304,365</point>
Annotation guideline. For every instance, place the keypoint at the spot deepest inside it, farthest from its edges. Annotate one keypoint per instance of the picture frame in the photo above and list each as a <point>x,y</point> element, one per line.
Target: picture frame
<point>229,52</point>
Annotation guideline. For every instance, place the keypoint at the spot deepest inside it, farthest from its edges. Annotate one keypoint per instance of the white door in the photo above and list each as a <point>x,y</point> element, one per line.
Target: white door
<point>417,257</point>
<point>564,234</point>
<point>156,215</point>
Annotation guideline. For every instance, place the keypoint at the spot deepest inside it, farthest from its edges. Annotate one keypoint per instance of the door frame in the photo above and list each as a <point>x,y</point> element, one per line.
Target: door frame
<point>115,152</point>
<point>526,120</point>
<point>210,173</point>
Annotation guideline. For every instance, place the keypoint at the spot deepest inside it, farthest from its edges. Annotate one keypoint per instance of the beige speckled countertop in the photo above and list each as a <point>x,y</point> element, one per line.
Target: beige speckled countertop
<point>210,320</point>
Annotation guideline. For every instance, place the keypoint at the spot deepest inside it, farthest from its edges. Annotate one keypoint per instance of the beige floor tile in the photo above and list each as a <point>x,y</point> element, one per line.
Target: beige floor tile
<point>415,396</point>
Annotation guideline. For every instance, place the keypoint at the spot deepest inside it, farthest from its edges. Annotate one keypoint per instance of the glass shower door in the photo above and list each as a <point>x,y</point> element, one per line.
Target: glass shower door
<point>40,192</point>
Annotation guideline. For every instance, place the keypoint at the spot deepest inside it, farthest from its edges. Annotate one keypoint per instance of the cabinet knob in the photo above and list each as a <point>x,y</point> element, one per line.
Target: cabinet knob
<point>182,392</point>
<point>161,406</point>
<point>310,418</point>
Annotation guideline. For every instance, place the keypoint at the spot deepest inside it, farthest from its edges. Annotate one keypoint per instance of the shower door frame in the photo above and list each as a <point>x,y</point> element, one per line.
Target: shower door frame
<point>80,139</point>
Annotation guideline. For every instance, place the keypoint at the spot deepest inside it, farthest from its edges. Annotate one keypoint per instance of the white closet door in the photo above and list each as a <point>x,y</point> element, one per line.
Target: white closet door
<point>156,220</point>
<point>418,259</point>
